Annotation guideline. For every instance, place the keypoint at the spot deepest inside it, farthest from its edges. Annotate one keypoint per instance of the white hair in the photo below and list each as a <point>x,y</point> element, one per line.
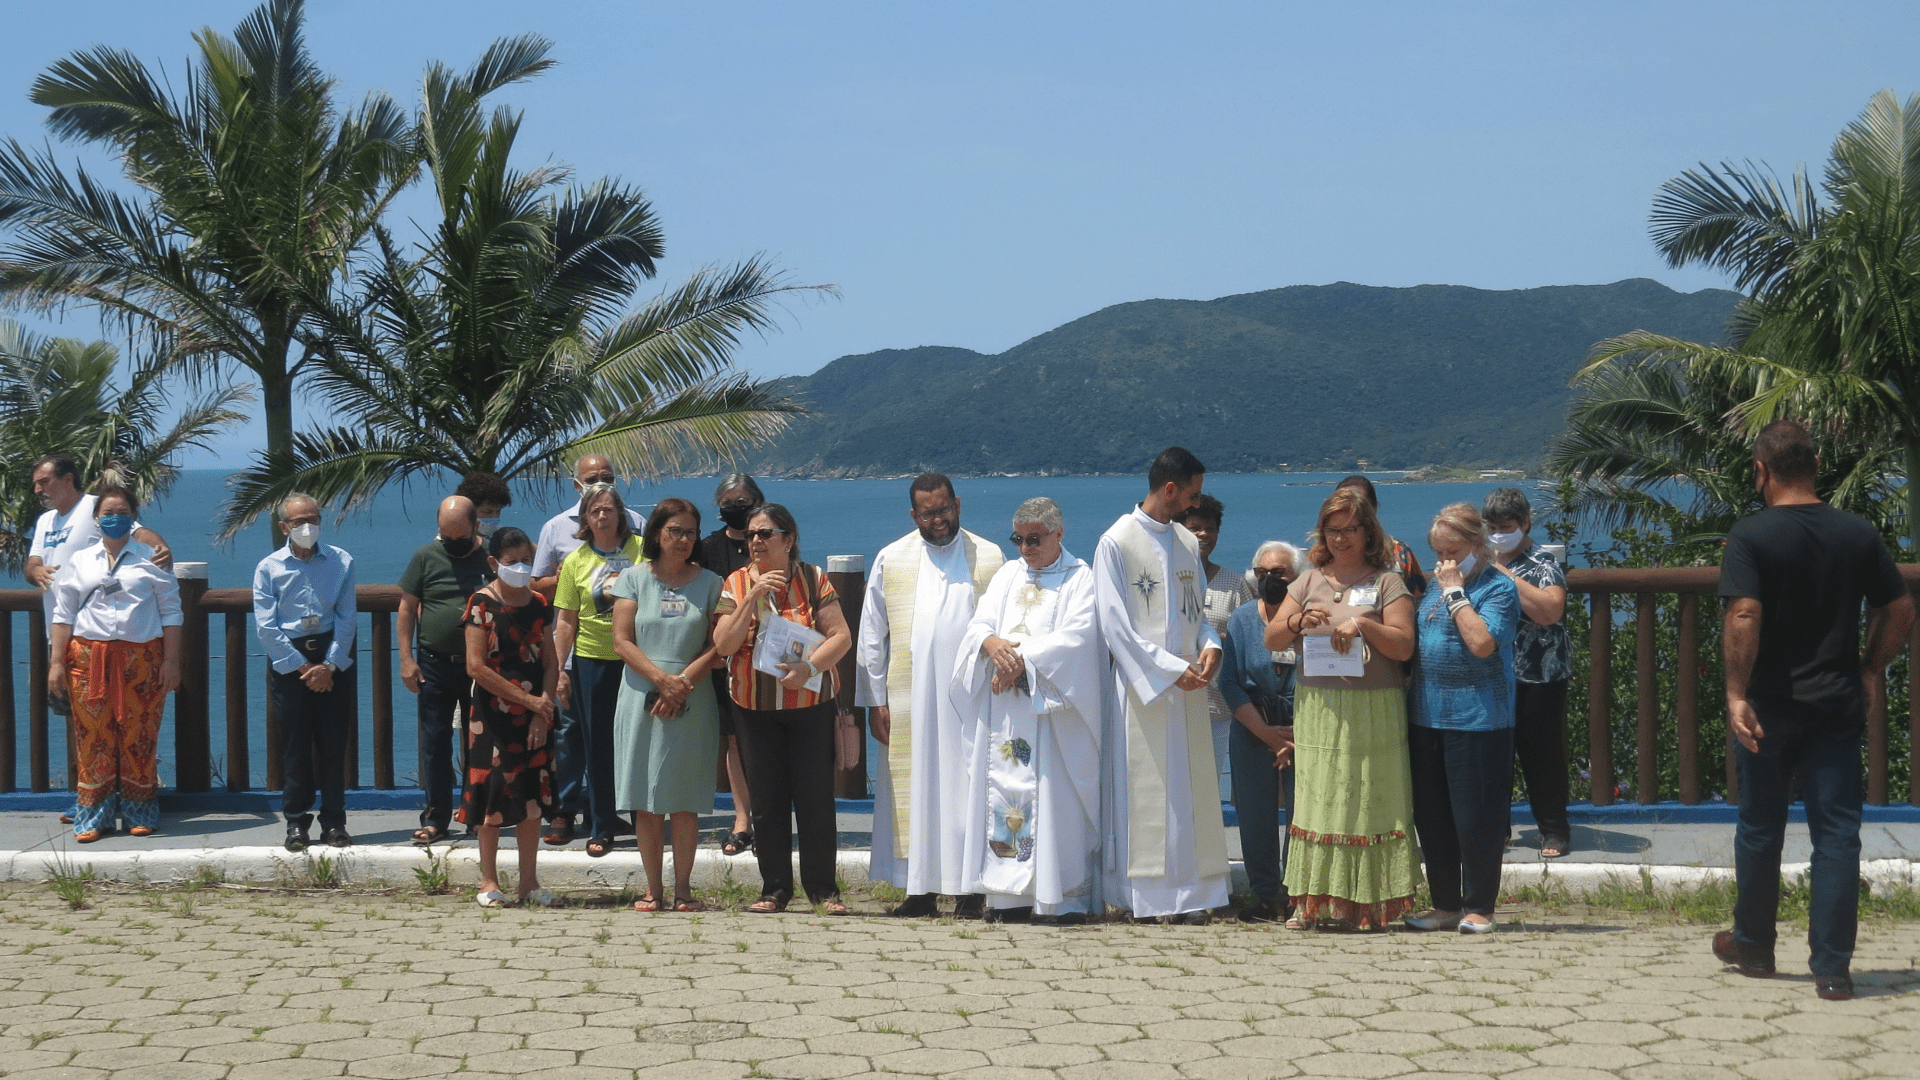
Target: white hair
<point>1043,512</point>
<point>280,511</point>
<point>1293,554</point>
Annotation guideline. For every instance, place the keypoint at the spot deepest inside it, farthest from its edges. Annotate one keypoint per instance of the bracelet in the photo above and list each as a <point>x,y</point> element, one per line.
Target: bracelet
<point>1295,630</point>
<point>1454,607</point>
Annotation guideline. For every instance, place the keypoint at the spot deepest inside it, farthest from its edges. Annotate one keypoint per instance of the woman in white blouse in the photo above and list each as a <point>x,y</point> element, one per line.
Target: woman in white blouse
<point>116,655</point>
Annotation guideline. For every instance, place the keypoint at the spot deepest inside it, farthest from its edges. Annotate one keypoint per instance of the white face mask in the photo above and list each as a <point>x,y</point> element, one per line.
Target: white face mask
<point>1467,564</point>
<point>516,575</point>
<point>486,526</point>
<point>304,534</point>
<point>1505,542</point>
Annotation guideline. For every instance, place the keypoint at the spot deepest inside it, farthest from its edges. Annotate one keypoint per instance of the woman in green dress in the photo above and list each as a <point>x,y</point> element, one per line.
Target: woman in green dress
<point>666,729</point>
<point>1352,860</point>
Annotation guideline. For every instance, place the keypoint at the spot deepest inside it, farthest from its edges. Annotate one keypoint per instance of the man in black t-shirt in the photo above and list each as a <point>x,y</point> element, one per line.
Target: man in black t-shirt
<point>1794,576</point>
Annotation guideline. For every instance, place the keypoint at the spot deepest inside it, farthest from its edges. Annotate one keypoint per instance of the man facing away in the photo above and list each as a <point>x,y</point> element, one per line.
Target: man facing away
<point>434,590</point>
<point>1794,576</point>
<point>304,612</point>
<point>919,599</point>
<point>1030,678</point>
<point>1167,847</point>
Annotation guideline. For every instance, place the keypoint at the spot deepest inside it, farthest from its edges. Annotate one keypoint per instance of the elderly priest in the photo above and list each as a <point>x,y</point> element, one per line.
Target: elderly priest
<point>919,600</point>
<point>1029,677</point>
<point>1167,846</point>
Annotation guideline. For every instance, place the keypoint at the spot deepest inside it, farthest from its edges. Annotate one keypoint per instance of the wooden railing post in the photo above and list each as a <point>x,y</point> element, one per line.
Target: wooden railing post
<point>7,763</point>
<point>1647,685</point>
<point>239,755</point>
<point>1913,716</point>
<point>849,576</point>
<point>380,656</point>
<point>192,743</point>
<point>37,779</point>
<point>1600,701</point>
<point>348,682</point>
<point>1686,695</point>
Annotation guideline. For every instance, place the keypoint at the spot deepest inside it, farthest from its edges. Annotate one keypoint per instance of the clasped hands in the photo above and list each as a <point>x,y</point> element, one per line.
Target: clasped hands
<point>1007,662</point>
<point>317,677</point>
<point>1343,636</point>
<point>673,691</point>
<point>1200,672</point>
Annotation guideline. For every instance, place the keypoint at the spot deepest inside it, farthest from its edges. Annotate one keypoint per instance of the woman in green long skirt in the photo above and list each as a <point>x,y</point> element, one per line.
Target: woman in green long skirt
<point>1352,860</point>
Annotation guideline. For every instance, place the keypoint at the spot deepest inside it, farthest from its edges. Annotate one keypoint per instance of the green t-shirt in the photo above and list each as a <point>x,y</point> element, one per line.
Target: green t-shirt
<point>443,584</point>
<point>585,585</point>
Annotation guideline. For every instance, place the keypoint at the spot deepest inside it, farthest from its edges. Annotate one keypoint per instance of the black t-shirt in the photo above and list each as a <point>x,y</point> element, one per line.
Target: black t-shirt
<point>721,553</point>
<point>1810,567</point>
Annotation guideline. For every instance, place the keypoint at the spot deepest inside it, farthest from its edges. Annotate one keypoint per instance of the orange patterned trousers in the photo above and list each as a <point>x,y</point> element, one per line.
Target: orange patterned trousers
<point>117,704</point>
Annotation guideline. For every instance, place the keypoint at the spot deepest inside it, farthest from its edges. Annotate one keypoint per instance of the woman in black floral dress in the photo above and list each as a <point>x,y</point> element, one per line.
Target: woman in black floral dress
<point>509,766</point>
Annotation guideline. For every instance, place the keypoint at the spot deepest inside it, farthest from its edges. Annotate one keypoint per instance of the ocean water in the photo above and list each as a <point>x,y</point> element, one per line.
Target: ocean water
<point>836,517</point>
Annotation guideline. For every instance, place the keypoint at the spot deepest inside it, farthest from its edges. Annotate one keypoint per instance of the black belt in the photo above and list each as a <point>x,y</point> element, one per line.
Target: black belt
<point>445,658</point>
<point>313,646</point>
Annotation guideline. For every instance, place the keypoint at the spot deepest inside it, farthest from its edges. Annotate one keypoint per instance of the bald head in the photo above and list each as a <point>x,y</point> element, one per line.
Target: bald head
<point>456,518</point>
<point>592,469</point>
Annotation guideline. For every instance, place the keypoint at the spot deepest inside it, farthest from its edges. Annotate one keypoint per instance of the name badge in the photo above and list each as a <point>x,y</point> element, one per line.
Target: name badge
<point>1364,596</point>
<point>615,566</point>
<point>309,623</point>
<point>672,606</point>
<point>110,587</point>
<point>1287,656</point>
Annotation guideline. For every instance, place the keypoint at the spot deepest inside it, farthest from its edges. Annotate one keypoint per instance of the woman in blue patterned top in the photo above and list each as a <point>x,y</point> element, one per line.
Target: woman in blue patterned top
<point>1542,660</point>
<point>1461,708</point>
<point>1257,684</point>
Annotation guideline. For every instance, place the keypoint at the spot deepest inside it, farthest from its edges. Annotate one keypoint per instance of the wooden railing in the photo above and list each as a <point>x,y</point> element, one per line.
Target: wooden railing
<point>1694,588</point>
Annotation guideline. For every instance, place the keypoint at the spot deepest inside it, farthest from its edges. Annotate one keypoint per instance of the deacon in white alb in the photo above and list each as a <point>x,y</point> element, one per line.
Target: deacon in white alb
<point>1031,671</point>
<point>1166,847</point>
<point>920,597</point>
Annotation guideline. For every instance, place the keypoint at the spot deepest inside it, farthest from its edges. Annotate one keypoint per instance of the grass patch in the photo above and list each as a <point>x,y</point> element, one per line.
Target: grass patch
<point>436,877</point>
<point>70,883</point>
<point>1708,901</point>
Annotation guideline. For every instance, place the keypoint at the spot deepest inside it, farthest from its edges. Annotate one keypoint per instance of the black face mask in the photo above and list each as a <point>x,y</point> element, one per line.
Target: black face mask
<point>460,548</point>
<point>1272,589</point>
<point>736,517</point>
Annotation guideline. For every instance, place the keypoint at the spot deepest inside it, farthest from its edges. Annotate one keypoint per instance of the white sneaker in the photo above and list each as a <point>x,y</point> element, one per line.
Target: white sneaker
<point>1434,919</point>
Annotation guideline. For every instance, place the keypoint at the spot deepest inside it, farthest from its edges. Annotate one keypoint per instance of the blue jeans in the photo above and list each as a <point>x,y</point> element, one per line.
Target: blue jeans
<point>1256,797</point>
<point>1825,756</point>
<point>1462,808</point>
<point>446,693</point>
<point>596,690</point>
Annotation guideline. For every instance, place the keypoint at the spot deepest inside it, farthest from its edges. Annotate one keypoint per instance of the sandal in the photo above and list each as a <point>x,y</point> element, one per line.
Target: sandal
<point>559,831</point>
<point>89,836</point>
<point>768,905</point>
<point>1555,847</point>
<point>599,846</point>
<point>428,835</point>
<point>647,905</point>
<point>142,830</point>
<point>737,843</point>
<point>834,907</point>
<point>492,898</point>
<point>687,904</point>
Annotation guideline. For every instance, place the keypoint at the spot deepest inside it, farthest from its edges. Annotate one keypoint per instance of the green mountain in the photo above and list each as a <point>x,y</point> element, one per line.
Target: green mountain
<point>1312,376</point>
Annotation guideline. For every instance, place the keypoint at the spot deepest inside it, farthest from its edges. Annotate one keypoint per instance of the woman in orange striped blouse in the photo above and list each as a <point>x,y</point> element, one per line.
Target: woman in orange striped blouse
<point>785,730</point>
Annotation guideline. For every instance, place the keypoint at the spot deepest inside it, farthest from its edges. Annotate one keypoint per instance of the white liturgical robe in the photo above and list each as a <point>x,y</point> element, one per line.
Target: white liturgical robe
<point>919,600</point>
<point>1034,816</point>
<point>1166,843</point>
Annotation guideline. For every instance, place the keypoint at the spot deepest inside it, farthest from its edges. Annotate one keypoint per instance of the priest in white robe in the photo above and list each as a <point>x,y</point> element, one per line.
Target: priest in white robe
<point>1030,675</point>
<point>920,597</point>
<point>1166,849</point>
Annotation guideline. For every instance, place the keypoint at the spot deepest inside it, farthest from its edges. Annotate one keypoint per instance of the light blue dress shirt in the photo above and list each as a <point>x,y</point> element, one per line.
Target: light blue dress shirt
<point>294,597</point>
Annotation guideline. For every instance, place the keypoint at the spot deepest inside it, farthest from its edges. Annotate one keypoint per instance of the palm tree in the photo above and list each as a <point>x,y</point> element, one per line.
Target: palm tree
<point>507,346</point>
<point>1830,331</point>
<point>255,194</point>
<point>57,396</point>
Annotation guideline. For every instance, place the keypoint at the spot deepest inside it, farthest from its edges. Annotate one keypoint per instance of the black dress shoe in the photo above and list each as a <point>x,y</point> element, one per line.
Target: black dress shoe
<point>1193,918</point>
<point>1261,911</point>
<point>970,906</point>
<point>297,839</point>
<point>1070,918</point>
<point>920,906</point>
<point>1754,963</point>
<point>1011,914</point>
<point>1834,987</point>
<point>336,837</point>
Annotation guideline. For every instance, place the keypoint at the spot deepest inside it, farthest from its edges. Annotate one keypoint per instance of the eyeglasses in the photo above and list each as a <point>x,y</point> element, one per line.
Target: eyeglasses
<point>1033,541</point>
<point>739,504</point>
<point>1348,532</point>
<point>679,533</point>
<point>764,535</point>
<point>937,512</point>
<point>1263,571</point>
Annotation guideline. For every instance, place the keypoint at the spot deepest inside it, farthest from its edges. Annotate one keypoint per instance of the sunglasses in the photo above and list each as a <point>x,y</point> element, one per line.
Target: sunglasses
<point>765,534</point>
<point>1263,571</point>
<point>1033,541</point>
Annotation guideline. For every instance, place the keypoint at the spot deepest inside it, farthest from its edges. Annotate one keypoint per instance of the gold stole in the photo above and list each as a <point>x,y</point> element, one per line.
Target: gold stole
<point>1147,598</point>
<point>900,584</point>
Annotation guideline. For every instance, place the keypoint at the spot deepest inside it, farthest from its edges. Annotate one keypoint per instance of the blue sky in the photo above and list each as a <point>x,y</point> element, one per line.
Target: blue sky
<point>976,174</point>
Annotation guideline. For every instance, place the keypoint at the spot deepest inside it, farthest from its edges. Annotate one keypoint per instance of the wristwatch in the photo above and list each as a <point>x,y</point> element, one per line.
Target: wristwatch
<point>333,667</point>
<point>1453,594</point>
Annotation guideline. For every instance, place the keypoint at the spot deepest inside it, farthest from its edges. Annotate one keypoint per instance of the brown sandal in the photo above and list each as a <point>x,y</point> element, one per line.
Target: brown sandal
<point>428,835</point>
<point>647,905</point>
<point>687,904</point>
<point>834,907</point>
<point>768,905</point>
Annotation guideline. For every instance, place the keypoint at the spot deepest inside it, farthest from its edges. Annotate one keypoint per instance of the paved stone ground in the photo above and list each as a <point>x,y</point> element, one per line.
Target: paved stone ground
<point>228,984</point>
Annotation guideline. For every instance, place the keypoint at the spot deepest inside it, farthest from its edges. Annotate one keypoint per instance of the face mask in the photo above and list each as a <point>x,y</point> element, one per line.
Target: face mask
<point>1505,542</point>
<point>1467,564</point>
<point>1272,589</point>
<point>114,526</point>
<point>515,575</point>
<point>487,525</point>
<point>736,517</point>
<point>304,534</point>
<point>460,548</point>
